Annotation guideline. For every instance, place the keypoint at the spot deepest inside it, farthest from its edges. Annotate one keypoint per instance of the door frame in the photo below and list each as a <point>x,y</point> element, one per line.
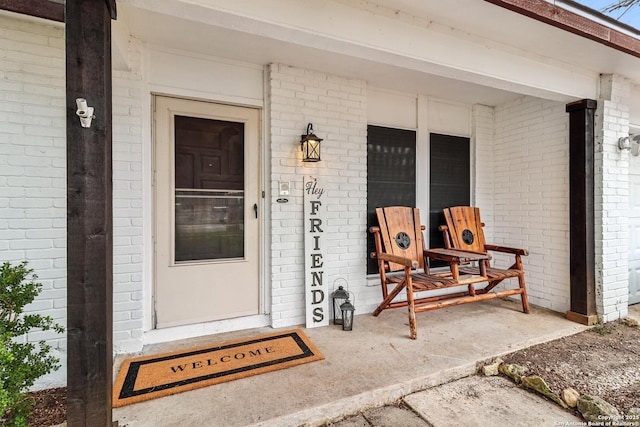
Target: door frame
<point>152,333</point>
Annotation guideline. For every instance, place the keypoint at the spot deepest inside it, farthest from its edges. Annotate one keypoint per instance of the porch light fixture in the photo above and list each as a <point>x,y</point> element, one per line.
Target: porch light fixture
<point>310,145</point>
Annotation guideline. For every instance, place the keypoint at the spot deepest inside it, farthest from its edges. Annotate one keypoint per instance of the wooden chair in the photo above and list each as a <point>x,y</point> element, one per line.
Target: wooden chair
<point>400,247</point>
<point>464,232</point>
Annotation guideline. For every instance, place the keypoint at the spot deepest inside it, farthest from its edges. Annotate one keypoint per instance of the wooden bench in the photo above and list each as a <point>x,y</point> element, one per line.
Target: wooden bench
<point>403,265</point>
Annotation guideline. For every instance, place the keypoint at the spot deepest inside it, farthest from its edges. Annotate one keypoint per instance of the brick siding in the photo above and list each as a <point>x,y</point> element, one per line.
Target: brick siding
<point>33,180</point>
<point>337,108</point>
<point>531,194</point>
<point>611,199</point>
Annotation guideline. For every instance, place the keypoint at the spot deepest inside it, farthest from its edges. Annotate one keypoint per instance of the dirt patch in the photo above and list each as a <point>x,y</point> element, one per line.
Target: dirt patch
<point>50,407</point>
<point>603,361</point>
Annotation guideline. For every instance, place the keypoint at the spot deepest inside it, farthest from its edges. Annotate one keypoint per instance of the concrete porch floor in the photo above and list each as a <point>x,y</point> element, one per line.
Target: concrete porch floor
<point>373,365</point>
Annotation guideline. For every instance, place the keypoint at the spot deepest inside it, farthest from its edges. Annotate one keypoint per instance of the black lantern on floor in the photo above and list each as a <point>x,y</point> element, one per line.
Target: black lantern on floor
<point>339,297</point>
<point>347,310</point>
<point>310,145</point>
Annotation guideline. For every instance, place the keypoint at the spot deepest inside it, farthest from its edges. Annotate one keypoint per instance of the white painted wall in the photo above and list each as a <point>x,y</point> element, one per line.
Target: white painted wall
<point>32,166</point>
<point>190,75</point>
<point>611,199</point>
<point>530,181</point>
<point>337,108</point>
<point>392,109</point>
<point>483,125</point>
<point>128,210</point>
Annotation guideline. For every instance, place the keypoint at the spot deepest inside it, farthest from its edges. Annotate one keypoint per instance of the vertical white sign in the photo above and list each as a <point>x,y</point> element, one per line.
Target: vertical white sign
<point>316,295</point>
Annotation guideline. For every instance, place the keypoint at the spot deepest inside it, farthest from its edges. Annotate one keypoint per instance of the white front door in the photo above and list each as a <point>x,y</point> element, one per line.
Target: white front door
<point>206,163</point>
<point>634,231</point>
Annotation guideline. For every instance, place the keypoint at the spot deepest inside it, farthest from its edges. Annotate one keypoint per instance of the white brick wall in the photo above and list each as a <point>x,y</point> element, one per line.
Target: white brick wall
<point>611,199</point>
<point>531,193</point>
<point>337,108</point>
<point>483,122</point>
<point>127,212</point>
<point>32,165</point>
<point>33,179</point>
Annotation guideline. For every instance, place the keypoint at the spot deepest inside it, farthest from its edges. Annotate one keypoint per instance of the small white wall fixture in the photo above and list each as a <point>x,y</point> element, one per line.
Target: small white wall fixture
<point>630,143</point>
<point>84,112</point>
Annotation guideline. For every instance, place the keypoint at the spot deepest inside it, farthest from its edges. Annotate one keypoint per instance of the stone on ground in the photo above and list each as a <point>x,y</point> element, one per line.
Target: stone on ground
<point>594,408</point>
<point>536,383</point>
<point>570,397</point>
<point>513,371</point>
<point>491,369</point>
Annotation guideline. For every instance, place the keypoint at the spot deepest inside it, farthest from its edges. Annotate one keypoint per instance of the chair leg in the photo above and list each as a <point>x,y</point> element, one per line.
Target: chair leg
<point>523,295</point>
<point>394,293</point>
<point>412,310</point>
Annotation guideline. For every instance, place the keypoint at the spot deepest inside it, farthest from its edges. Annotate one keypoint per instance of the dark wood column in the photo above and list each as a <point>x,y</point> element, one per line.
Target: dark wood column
<point>89,214</point>
<point>582,211</point>
<point>45,9</point>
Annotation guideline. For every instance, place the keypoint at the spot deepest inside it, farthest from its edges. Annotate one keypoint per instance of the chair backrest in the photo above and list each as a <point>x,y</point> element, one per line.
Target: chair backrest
<point>401,234</point>
<point>465,228</point>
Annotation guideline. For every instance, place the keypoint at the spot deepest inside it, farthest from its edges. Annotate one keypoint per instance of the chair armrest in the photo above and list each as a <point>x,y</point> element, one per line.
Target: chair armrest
<point>505,249</point>
<point>407,262</point>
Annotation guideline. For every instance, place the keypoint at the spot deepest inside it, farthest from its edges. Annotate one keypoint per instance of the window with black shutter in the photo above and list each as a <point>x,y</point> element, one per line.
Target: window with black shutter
<point>449,180</point>
<point>391,175</point>
<point>391,178</point>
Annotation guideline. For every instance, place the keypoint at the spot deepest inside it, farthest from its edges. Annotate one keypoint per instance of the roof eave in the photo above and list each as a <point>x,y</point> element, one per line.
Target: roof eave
<point>572,22</point>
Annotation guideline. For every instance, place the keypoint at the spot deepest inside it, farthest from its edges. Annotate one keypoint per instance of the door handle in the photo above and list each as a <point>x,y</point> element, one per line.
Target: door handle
<point>255,209</point>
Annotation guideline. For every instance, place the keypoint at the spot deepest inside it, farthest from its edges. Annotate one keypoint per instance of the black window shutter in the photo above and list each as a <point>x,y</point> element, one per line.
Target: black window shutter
<point>450,174</point>
<point>391,175</point>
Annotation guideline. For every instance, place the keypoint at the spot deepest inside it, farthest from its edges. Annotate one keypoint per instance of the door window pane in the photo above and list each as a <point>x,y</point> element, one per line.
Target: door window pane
<point>209,189</point>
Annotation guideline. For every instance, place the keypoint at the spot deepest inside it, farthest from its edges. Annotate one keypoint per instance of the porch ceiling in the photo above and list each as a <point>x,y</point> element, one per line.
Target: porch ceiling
<point>230,30</point>
<point>199,38</point>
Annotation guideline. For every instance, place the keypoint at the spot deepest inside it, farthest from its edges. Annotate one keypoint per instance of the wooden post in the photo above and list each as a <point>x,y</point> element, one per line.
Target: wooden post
<point>40,8</point>
<point>582,211</point>
<point>89,214</point>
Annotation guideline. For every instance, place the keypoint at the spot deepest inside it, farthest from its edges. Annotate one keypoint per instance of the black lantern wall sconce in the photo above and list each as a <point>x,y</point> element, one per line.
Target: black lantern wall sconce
<point>310,145</point>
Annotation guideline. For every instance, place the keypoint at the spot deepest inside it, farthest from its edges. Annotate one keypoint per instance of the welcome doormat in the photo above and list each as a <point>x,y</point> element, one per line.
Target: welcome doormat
<point>148,377</point>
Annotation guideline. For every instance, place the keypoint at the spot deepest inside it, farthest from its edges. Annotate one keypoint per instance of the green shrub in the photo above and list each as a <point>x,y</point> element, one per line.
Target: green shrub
<point>21,363</point>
